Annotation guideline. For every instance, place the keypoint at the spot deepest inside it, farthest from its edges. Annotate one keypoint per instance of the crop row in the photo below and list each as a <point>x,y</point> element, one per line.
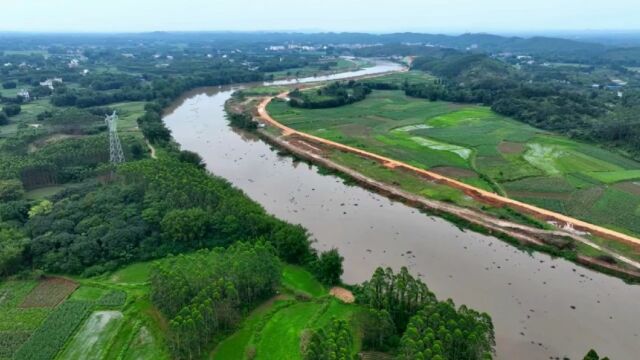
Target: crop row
<point>47,340</point>
<point>113,298</point>
<point>10,342</point>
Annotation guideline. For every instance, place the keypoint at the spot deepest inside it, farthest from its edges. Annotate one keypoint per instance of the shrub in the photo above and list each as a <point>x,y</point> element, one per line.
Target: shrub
<point>12,109</point>
<point>9,85</point>
<point>11,190</point>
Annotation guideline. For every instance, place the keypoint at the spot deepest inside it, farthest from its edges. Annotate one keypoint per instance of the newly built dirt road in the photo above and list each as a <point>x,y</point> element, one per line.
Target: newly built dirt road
<point>571,225</point>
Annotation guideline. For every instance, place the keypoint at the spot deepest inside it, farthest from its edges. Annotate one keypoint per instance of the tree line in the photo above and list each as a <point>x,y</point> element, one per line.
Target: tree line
<point>205,294</point>
<point>333,95</point>
<point>332,342</point>
<point>405,318</point>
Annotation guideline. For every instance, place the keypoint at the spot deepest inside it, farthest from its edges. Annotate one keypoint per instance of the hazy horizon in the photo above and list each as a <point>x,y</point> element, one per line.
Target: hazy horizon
<point>432,16</point>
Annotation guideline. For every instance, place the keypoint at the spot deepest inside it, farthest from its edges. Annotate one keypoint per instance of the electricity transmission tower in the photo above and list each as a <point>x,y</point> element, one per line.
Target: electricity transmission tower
<point>116,156</point>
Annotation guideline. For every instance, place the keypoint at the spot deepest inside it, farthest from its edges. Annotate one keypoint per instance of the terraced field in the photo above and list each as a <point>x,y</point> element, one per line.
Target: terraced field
<point>479,147</point>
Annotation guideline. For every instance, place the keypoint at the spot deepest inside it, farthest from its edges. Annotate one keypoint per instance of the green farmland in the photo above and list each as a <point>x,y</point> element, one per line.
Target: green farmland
<point>477,146</point>
<point>102,317</point>
<point>111,317</point>
<point>273,330</point>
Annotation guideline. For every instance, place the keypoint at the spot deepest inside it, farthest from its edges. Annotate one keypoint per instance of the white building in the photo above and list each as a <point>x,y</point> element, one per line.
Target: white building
<point>24,94</point>
<point>50,82</point>
<point>74,63</point>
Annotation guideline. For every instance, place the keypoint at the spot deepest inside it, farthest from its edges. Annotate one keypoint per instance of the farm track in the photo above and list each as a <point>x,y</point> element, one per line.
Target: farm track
<point>522,233</point>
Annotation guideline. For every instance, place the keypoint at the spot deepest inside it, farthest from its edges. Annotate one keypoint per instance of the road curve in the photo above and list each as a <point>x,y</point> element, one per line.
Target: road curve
<point>479,194</point>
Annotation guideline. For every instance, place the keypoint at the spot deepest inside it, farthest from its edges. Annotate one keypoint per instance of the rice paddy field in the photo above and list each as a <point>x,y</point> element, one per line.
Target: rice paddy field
<point>477,146</point>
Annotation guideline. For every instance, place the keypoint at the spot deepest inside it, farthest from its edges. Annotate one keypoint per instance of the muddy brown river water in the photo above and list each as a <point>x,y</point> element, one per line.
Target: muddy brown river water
<point>541,307</point>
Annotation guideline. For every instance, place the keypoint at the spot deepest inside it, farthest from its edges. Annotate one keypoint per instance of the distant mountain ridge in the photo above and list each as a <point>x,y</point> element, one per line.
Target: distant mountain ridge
<point>552,48</point>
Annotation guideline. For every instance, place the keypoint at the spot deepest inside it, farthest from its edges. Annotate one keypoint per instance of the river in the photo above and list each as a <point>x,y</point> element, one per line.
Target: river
<point>541,307</point>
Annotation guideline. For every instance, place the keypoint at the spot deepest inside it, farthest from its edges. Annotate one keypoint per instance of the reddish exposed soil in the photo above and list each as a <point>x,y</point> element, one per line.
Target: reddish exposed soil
<point>49,292</point>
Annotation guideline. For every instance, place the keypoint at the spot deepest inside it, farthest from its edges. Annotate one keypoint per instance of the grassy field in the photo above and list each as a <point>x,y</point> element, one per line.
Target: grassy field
<point>298,279</point>
<point>399,79</point>
<point>272,331</point>
<point>128,114</point>
<point>479,147</point>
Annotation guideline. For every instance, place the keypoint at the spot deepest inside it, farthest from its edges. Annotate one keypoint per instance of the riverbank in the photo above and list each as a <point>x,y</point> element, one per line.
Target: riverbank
<point>558,242</point>
<point>553,242</point>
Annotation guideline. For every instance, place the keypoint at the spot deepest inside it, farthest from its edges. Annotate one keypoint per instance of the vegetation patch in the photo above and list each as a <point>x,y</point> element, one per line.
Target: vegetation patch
<point>113,298</point>
<point>508,147</point>
<point>615,176</point>
<point>543,157</point>
<point>144,346</point>
<point>280,338</point>
<point>49,338</point>
<point>632,187</point>
<point>454,172</point>
<point>137,273</point>
<point>300,280</point>
<point>11,341</point>
<point>436,145</point>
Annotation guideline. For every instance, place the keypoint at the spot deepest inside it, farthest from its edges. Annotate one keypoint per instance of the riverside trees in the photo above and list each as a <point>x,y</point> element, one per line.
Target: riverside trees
<point>401,305</point>
<point>333,95</point>
<point>439,331</point>
<point>205,293</point>
<point>334,341</point>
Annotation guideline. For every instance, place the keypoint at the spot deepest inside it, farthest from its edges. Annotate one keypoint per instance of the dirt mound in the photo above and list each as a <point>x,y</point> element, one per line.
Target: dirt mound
<point>455,172</point>
<point>342,294</point>
<point>632,187</point>
<point>508,147</point>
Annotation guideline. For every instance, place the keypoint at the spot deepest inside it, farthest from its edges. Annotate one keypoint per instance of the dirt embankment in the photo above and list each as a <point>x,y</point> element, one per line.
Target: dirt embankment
<point>527,235</point>
<point>476,193</point>
<point>314,148</point>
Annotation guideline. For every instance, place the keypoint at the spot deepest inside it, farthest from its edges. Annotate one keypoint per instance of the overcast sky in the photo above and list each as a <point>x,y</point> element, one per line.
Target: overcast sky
<point>326,15</point>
